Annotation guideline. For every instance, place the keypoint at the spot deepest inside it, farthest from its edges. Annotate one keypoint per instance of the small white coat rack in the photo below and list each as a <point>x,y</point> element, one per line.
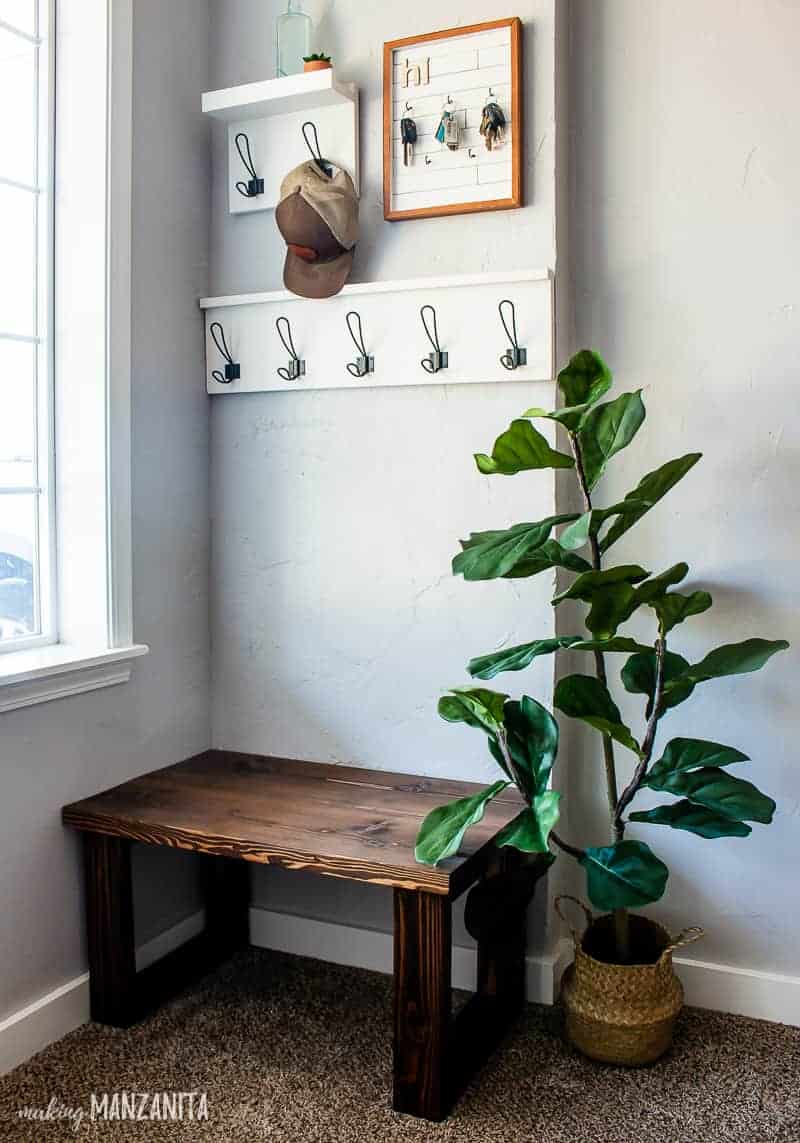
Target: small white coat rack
<point>271,114</point>
<point>469,327</point>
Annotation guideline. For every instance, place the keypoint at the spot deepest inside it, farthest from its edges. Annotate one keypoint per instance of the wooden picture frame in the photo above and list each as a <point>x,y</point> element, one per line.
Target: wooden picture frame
<point>418,69</point>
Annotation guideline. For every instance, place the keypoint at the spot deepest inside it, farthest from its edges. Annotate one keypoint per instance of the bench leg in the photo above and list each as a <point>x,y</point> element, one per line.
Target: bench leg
<point>501,963</point>
<point>109,909</point>
<point>226,892</point>
<point>422,1003</point>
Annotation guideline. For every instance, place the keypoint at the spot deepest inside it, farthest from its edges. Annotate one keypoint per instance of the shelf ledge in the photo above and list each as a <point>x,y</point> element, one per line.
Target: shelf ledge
<point>268,97</point>
<point>383,287</point>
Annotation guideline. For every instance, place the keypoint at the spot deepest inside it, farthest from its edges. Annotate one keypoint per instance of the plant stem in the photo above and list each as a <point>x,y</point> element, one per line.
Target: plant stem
<point>621,927</point>
<point>648,742</point>
<point>599,658</point>
<point>572,850</point>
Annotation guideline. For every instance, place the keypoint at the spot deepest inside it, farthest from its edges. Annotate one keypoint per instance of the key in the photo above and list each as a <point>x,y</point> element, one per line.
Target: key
<point>408,137</point>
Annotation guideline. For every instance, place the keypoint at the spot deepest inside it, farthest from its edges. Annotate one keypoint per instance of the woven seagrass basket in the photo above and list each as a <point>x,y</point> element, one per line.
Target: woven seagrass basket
<point>622,1013</point>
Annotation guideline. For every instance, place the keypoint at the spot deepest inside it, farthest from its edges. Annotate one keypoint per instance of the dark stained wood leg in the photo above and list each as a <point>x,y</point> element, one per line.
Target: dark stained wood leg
<point>501,951</point>
<point>422,1005</point>
<point>109,919</point>
<point>226,889</point>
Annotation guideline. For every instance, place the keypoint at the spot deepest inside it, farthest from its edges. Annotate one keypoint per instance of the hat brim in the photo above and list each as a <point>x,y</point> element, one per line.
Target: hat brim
<point>316,279</point>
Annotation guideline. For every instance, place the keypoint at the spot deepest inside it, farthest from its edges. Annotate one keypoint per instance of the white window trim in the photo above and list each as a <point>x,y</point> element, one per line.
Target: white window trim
<point>39,675</point>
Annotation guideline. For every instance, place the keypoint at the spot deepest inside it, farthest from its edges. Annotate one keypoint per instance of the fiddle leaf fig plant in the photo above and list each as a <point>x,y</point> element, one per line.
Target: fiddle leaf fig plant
<point>704,798</point>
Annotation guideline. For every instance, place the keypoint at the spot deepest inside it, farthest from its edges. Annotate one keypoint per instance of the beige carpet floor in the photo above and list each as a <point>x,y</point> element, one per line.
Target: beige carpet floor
<point>295,1051</point>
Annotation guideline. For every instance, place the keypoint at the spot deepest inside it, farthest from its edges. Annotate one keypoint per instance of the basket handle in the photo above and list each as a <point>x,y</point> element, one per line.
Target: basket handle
<point>587,912</point>
<point>684,937</point>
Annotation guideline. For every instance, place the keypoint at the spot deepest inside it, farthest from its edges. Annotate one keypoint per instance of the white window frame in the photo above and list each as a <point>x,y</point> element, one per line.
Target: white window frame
<point>42,42</point>
<point>92,374</point>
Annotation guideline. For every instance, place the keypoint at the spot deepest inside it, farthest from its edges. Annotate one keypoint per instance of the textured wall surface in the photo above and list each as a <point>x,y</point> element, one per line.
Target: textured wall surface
<point>336,622</point>
<point>686,242</point>
<point>60,751</point>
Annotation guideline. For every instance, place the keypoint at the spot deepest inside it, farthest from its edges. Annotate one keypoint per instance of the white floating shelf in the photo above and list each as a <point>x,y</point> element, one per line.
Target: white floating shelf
<point>279,96</point>
<point>468,322</point>
<point>271,113</point>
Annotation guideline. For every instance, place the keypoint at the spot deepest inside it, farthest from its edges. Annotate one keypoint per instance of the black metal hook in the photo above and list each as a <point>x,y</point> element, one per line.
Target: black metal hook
<point>364,363</point>
<point>409,106</point>
<point>296,367</point>
<point>438,359</point>
<point>254,185</point>
<point>515,356</point>
<point>314,148</point>
<point>232,371</point>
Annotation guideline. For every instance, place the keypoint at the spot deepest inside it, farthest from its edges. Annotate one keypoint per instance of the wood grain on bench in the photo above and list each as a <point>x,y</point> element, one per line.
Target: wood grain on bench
<point>342,821</point>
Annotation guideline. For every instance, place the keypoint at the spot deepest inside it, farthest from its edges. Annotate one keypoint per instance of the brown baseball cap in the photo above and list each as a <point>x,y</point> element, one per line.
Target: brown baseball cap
<point>318,217</point>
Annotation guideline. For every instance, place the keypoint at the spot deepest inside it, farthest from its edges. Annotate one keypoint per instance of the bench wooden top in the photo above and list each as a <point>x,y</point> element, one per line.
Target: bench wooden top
<point>343,821</point>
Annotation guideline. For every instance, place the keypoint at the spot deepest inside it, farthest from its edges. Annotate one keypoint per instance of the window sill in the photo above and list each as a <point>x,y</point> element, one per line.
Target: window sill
<point>47,673</point>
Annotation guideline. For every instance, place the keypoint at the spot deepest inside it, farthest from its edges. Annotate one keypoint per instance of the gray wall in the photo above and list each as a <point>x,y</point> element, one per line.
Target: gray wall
<point>686,245</point>
<point>60,751</point>
<point>336,622</point>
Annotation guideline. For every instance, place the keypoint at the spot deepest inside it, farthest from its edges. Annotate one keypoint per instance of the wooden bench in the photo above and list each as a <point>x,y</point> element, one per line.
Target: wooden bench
<point>336,820</point>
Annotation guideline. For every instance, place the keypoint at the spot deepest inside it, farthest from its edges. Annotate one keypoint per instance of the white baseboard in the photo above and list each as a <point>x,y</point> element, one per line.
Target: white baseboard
<point>373,949</point>
<point>28,1031</point>
<point>748,992</point>
<point>32,1028</point>
<point>745,991</point>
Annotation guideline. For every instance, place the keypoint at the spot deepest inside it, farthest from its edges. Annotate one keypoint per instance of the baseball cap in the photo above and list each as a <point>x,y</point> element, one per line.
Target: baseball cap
<point>318,217</point>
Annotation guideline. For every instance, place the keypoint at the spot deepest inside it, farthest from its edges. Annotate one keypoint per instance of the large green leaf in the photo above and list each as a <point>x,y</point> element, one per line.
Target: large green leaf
<point>673,607</point>
<point>530,830</point>
<point>577,534</point>
<point>639,678</point>
<point>442,831</point>
<point>586,698</point>
<point>626,875</point>
<point>516,658</point>
<point>491,555</point>
<point>611,595</point>
<point>520,448</point>
<point>718,791</point>
<point>585,379</point>
<point>606,429</point>
<point>585,586</point>
<point>549,555</point>
<point>532,741</point>
<point>650,489</point>
<point>476,706</point>
<point>569,416</point>
<point>655,587</point>
<point>694,819</point>
<point>691,753</point>
<point>734,659</point>
<point>619,644</point>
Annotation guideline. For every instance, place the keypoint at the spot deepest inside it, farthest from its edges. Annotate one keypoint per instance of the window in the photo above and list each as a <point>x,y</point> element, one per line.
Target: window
<point>27,550</point>
<point>65,318</point>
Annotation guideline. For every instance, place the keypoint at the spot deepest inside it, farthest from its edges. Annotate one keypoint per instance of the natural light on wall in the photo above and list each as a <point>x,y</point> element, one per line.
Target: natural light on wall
<point>26,440</point>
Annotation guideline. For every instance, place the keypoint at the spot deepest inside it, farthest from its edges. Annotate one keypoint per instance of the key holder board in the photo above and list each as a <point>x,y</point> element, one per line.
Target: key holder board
<point>400,328</point>
<point>459,72</point>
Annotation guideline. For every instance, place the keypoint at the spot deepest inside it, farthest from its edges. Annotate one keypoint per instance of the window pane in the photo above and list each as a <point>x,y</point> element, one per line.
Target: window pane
<point>18,108</point>
<point>19,13</point>
<point>17,414</point>
<point>17,564</point>
<point>17,261</point>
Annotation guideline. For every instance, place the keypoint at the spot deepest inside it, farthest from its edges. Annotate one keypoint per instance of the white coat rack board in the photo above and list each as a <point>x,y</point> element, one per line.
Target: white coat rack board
<point>469,328</point>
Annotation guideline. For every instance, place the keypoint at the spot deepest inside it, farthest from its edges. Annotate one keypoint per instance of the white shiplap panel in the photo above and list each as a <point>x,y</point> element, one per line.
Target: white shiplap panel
<point>465,68</point>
